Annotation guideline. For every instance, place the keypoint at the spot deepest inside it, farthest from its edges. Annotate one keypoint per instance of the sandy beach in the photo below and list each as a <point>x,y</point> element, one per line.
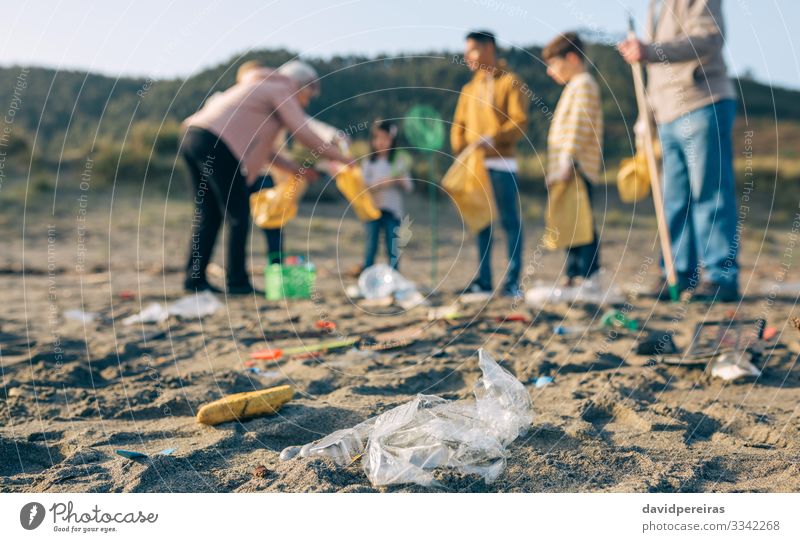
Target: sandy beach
<point>611,420</point>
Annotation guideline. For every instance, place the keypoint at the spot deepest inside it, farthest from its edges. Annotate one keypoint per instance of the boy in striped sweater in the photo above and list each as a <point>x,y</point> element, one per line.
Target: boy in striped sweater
<point>575,139</point>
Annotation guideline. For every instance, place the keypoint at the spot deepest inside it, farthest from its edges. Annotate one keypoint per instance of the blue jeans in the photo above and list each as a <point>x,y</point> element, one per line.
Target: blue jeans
<point>506,197</point>
<point>390,225</point>
<point>699,193</point>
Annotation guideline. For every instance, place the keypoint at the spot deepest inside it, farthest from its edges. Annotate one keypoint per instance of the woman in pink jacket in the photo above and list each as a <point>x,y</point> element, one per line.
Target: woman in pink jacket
<point>227,143</point>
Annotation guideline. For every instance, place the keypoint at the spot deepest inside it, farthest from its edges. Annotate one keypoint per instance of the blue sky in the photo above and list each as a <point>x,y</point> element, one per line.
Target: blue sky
<point>177,37</point>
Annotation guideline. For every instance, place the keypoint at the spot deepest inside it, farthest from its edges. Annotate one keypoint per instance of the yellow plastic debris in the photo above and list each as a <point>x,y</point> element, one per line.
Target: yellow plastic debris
<point>241,406</point>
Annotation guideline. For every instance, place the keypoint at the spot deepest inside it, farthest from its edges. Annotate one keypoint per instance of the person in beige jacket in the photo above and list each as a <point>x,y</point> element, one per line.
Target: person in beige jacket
<point>694,104</point>
<point>226,145</point>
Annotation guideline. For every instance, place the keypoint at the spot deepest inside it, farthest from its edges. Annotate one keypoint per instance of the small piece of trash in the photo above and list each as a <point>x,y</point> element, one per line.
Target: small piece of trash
<point>81,316</point>
<point>152,314</point>
<point>731,366</point>
<point>448,312</point>
<point>262,373</point>
<point>260,471</point>
<point>190,307</point>
<point>130,454</point>
<point>543,381</point>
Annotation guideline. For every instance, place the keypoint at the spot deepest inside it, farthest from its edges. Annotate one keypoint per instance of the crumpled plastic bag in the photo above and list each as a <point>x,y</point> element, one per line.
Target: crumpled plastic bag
<point>81,316</point>
<point>595,290</point>
<point>189,307</point>
<point>404,444</point>
<point>350,183</point>
<point>733,366</point>
<point>381,281</point>
<point>467,182</point>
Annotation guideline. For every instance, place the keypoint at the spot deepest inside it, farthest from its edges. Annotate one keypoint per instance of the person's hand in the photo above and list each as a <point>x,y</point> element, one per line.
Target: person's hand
<point>640,127</point>
<point>486,142</point>
<point>311,175</point>
<point>561,176</point>
<point>632,50</point>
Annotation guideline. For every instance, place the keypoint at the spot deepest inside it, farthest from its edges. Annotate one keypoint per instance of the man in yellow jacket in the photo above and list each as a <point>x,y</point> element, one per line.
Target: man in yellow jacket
<point>492,111</point>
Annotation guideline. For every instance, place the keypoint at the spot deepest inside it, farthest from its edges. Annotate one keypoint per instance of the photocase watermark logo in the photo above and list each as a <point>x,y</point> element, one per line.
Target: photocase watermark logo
<point>31,516</point>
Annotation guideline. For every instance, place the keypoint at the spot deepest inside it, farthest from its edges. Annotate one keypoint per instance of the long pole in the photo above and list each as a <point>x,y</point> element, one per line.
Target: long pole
<point>433,204</point>
<point>652,166</point>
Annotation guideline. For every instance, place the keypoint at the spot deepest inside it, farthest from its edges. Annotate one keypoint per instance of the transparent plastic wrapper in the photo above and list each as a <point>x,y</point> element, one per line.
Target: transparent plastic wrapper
<point>595,290</point>
<point>81,316</point>
<point>196,305</point>
<point>380,281</point>
<point>191,306</point>
<point>733,366</point>
<point>404,444</point>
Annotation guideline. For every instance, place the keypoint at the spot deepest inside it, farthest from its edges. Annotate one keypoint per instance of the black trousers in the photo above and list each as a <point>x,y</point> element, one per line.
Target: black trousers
<point>583,261</point>
<point>219,192</point>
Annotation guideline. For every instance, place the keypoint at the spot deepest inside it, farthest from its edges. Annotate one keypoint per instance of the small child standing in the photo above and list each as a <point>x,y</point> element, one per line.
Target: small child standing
<point>387,176</point>
<point>575,140</point>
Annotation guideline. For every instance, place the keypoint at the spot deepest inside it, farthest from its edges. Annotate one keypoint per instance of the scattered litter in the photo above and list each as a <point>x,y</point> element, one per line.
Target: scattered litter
<point>656,343</point>
<point>543,381</point>
<point>404,444</point>
<point>381,281</point>
<point>152,314</point>
<point>262,373</point>
<point>615,318</point>
<point>516,317</point>
<point>241,406</point>
<point>593,290</point>
<point>289,453</point>
<point>249,363</point>
<point>574,330</point>
<point>130,454</point>
<point>733,366</point>
<point>474,297</point>
<point>195,306</point>
<point>448,312</point>
<point>268,354</point>
<point>126,295</point>
<point>393,339</point>
<point>192,306</point>
<point>260,471</point>
<point>353,291</point>
<point>81,316</point>
<point>769,333</point>
<point>713,338</point>
<point>325,325</point>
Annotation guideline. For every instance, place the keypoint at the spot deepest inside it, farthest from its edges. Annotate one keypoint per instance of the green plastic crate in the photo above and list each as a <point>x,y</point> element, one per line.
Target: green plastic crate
<point>284,281</point>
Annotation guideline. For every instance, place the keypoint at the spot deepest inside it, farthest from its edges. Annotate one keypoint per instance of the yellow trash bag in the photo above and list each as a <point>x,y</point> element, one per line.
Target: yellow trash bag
<point>569,217</point>
<point>633,179</point>
<point>271,208</point>
<point>467,182</point>
<point>350,183</point>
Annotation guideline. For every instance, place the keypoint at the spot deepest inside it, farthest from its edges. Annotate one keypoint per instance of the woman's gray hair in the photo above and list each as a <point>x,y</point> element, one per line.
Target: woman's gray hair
<point>301,73</point>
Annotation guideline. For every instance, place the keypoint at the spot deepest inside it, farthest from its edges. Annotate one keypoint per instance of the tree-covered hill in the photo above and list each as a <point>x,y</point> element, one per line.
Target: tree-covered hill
<point>65,115</point>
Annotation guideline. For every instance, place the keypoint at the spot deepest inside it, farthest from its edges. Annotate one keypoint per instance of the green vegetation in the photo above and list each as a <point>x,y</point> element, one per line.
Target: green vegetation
<point>130,127</point>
